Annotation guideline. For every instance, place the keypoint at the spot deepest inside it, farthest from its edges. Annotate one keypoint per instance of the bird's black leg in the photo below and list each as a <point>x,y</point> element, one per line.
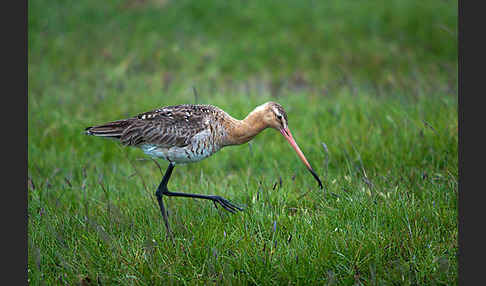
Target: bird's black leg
<point>162,190</point>
<point>227,205</point>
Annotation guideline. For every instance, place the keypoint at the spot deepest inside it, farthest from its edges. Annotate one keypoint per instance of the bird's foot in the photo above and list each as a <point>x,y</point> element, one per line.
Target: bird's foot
<point>227,205</point>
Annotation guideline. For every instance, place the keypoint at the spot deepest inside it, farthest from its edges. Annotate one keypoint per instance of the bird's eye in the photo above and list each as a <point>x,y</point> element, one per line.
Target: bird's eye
<point>279,116</point>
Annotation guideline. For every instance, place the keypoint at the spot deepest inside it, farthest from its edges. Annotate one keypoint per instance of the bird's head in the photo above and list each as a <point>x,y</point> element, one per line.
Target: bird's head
<point>274,116</point>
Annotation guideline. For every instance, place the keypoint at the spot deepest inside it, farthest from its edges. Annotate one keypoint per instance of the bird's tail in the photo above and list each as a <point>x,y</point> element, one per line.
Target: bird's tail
<point>110,130</point>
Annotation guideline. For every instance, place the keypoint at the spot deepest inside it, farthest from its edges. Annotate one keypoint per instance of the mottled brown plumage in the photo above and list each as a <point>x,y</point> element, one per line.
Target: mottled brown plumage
<point>167,126</point>
<point>188,133</point>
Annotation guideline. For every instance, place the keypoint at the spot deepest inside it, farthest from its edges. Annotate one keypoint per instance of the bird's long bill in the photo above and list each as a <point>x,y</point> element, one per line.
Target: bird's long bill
<point>286,133</point>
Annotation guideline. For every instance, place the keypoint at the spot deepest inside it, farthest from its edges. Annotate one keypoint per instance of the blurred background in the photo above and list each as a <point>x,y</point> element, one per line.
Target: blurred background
<point>381,46</point>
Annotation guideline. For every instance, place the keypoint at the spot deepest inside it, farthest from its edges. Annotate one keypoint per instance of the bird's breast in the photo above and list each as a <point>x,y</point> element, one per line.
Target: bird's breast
<point>201,146</point>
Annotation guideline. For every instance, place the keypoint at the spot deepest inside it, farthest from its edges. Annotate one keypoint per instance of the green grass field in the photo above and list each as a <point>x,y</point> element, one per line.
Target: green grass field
<point>371,94</point>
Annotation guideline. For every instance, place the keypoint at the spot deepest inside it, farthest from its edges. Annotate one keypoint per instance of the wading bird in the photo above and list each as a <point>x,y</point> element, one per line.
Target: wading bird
<point>189,133</point>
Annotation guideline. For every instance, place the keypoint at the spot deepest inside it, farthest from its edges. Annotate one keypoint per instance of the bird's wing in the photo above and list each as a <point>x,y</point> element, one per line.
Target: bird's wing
<point>168,126</point>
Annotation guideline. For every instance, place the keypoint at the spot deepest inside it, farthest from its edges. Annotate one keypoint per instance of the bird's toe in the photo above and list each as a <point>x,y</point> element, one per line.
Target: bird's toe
<point>227,205</point>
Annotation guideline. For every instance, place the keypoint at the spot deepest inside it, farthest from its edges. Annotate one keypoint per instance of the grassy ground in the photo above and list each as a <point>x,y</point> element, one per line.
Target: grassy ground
<point>371,95</point>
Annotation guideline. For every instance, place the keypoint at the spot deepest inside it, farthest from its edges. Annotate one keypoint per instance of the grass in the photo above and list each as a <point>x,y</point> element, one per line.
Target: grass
<point>371,95</point>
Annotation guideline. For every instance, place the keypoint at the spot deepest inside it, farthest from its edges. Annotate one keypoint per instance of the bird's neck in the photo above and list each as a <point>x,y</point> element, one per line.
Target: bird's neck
<point>242,131</point>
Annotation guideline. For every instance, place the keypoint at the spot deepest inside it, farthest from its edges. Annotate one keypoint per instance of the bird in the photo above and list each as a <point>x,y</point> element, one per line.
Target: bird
<point>188,133</point>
